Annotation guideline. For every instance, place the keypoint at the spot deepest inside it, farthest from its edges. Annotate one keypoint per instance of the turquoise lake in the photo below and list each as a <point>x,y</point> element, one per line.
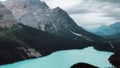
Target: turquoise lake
<point>65,59</point>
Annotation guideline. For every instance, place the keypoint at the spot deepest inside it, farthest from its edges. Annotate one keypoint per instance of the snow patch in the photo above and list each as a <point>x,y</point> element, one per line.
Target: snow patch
<point>48,14</point>
<point>77,34</point>
<point>80,35</point>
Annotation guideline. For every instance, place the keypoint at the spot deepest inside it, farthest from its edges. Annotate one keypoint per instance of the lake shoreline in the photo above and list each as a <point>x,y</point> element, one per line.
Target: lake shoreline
<point>91,49</point>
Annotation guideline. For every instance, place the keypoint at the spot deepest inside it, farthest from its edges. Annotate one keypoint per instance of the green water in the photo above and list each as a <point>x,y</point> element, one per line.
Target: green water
<point>64,59</point>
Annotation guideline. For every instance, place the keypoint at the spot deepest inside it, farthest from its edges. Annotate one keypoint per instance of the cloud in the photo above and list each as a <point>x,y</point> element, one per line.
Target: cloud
<point>2,0</point>
<point>115,16</point>
<point>90,13</point>
<point>64,4</point>
<point>111,11</point>
<point>79,11</point>
<point>110,1</point>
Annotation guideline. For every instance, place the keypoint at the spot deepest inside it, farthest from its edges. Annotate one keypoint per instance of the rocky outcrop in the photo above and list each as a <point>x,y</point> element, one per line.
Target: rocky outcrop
<point>28,53</point>
<point>25,10</point>
<point>12,51</point>
<point>83,65</point>
<point>24,6</point>
<point>115,60</point>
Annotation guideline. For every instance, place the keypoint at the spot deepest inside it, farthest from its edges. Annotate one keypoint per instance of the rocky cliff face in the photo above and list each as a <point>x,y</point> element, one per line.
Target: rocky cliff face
<point>6,17</point>
<point>25,10</point>
<point>21,7</point>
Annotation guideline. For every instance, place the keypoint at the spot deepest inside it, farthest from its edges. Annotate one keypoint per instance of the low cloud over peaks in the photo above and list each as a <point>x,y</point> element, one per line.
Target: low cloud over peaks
<point>90,12</point>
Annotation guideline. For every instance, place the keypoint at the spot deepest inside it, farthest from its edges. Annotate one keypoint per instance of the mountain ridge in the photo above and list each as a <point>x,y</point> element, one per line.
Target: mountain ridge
<point>55,21</point>
<point>109,30</point>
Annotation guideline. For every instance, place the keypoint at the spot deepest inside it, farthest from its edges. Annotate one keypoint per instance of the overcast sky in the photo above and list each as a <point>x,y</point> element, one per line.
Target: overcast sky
<point>90,13</point>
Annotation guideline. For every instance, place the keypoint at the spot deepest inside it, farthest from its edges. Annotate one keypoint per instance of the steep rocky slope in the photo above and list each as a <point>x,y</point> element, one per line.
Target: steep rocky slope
<point>6,17</point>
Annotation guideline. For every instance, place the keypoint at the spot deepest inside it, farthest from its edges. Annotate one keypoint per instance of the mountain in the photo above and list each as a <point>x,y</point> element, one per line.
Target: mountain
<point>55,21</point>
<point>19,42</point>
<point>25,11</point>
<point>109,30</point>
<point>61,24</point>
<point>102,27</point>
<point>115,28</point>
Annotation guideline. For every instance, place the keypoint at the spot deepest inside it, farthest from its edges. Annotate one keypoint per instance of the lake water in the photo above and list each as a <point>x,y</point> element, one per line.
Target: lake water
<point>64,59</point>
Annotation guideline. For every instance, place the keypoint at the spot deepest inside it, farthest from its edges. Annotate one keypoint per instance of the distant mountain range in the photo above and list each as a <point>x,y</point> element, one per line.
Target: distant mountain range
<point>109,30</point>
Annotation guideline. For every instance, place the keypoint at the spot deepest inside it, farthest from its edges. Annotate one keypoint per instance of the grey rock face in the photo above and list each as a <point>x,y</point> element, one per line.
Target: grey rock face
<point>6,17</point>
<point>58,22</point>
<point>29,19</point>
<point>27,53</point>
<point>21,7</point>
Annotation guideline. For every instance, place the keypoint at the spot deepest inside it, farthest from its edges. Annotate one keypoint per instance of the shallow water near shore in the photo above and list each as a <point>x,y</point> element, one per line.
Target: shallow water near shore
<point>65,59</point>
